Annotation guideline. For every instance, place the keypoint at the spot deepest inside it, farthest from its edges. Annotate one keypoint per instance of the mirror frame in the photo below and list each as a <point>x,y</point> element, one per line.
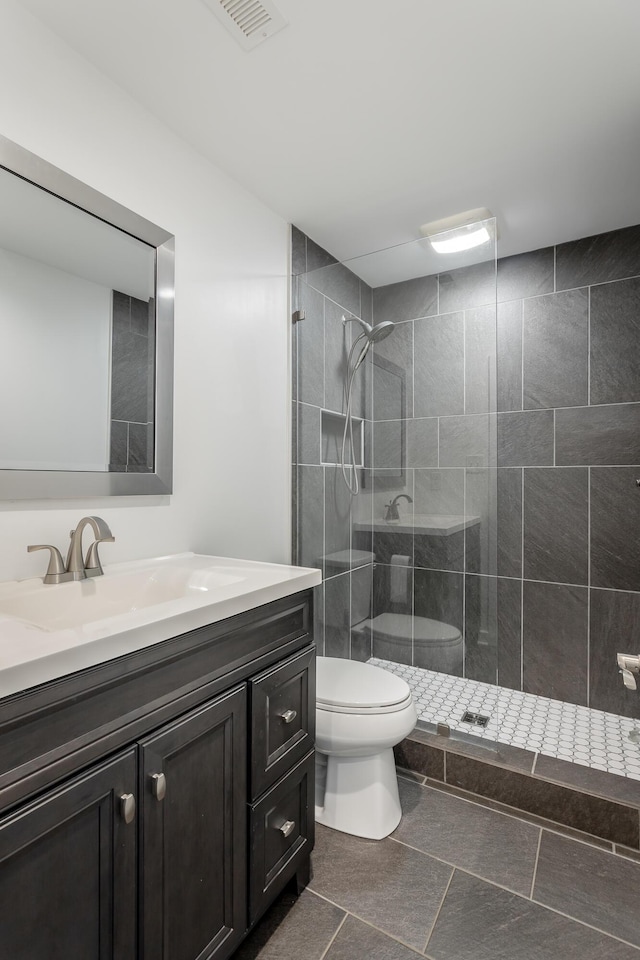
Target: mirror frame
<point>70,484</point>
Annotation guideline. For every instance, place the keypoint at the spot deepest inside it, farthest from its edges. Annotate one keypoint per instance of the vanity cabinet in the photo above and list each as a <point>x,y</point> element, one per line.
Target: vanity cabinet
<point>154,806</point>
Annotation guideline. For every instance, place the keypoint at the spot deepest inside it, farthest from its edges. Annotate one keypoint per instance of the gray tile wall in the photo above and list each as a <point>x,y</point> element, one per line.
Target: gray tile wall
<point>546,453</point>
<point>132,385</point>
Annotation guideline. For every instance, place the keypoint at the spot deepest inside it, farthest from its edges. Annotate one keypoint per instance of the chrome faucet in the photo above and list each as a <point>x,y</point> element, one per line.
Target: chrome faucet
<point>75,567</point>
<point>392,512</point>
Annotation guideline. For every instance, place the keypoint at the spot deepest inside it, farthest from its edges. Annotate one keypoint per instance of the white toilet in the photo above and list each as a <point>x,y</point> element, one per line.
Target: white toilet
<point>362,713</point>
<point>436,645</point>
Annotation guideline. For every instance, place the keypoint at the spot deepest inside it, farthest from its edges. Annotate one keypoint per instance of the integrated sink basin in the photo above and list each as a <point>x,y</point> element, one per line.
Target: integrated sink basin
<point>49,630</point>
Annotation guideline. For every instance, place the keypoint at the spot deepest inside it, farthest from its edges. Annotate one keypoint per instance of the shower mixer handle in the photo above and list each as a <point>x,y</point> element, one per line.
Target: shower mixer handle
<point>629,664</point>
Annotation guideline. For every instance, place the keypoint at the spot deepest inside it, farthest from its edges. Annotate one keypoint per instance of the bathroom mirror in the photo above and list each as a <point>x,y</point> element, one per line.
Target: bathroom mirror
<point>86,316</point>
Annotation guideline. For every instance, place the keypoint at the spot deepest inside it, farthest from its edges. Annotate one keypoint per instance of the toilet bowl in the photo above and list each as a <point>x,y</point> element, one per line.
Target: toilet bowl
<point>362,712</point>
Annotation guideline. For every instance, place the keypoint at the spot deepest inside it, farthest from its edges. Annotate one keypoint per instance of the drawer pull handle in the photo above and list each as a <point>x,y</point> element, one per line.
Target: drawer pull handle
<point>289,715</point>
<point>158,785</point>
<point>287,827</point>
<point>128,807</point>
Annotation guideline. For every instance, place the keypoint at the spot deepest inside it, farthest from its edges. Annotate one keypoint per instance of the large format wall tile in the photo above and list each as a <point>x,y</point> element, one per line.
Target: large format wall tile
<point>338,340</point>
<point>439,374</point>
<point>510,633</point>
<point>389,444</point>
<point>615,521</point>
<point>481,630</point>
<point>406,301</point>
<point>481,500</point>
<point>509,549</point>
<point>509,356</point>
<point>392,370</point>
<point>337,513</point>
<point>310,488</point>
<point>466,287</point>
<point>615,342</point>
<point>308,433</point>
<point>422,442</point>
<point>614,628</point>
<point>310,350</point>
<point>526,274</point>
<point>555,641</point>
<point>607,256</point>
<point>337,634</point>
<point>337,283</point>
<point>467,441</point>
<point>525,439</point>
<point>603,435</point>
<point>556,524</point>
<point>593,886</point>
<point>556,350</point>
<point>479,359</point>
<point>479,921</point>
<point>438,596</point>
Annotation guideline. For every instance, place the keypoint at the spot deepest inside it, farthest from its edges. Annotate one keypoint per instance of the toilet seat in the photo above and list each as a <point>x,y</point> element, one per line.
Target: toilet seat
<point>350,686</point>
<point>401,626</point>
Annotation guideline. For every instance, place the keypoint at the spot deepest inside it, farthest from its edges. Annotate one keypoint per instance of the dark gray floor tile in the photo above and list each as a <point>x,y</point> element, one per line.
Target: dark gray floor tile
<point>556,524</point>
<point>358,941</point>
<point>479,349</point>
<point>467,441</point>
<point>555,647</point>
<point>615,513</point>
<point>482,922</point>
<point>421,758</point>
<point>525,439</point>
<point>602,818</point>
<point>591,885</point>
<point>293,928</point>
<point>614,626</point>
<point>526,274</point>
<point>492,845</point>
<point>406,301</point>
<point>439,368</point>
<point>604,435</point>
<point>556,350</point>
<point>606,256</point>
<point>385,883</point>
<point>337,632</point>
<point>298,251</point>
<point>509,549</point>
<point>597,782</point>
<point>615,341</point>
<point>509,356</point>
<point>466,287</point>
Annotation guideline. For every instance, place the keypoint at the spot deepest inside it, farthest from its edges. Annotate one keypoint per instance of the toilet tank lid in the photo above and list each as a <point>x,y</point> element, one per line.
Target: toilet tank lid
<point>398,626</point>
<point>351,683</point>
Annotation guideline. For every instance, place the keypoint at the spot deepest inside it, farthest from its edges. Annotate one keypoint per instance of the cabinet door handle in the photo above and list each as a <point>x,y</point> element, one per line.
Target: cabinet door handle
<point>128,807</point>
<point>289,715</point>
<point>158,785</point>
<point>287,827</point>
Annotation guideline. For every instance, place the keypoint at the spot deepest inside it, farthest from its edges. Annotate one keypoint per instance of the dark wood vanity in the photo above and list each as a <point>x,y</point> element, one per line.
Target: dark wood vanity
<point>153,806</point>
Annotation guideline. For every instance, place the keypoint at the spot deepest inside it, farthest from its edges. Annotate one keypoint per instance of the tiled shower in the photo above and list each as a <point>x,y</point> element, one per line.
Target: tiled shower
<point>509,394</point>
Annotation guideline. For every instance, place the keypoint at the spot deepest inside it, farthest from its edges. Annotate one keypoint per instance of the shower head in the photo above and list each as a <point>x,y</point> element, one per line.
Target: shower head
<point>375,333</point>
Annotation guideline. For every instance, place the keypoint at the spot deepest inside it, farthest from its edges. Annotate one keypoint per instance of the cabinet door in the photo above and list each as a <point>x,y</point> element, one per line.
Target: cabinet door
<point>194,833</point>
<point>68,870</point>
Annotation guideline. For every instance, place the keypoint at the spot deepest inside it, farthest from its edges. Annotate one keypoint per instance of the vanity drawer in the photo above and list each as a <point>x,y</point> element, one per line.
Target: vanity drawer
<point>282,834</point>
<point>282,719</point>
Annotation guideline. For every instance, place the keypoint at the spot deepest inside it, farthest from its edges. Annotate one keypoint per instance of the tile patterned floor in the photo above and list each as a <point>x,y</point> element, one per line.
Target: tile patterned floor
<point>456,881</point>
<point>550,727</point>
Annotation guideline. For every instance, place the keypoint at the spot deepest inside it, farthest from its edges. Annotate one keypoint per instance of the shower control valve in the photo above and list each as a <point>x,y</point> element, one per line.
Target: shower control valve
<point>629,664</point>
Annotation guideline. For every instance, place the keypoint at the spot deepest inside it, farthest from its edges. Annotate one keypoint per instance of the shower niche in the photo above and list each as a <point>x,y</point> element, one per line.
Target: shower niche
<point>332,429</point>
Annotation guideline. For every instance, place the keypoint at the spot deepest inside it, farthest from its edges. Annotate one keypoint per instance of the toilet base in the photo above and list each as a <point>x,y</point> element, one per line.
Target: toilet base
<point>361,795</point>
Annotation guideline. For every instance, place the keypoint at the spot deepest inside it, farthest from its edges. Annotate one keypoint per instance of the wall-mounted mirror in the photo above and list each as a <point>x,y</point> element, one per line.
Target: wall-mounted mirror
<point>86,324</point>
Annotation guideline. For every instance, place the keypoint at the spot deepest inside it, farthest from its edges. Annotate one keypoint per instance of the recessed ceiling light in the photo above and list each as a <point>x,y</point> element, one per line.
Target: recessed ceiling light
<point>463,231</point>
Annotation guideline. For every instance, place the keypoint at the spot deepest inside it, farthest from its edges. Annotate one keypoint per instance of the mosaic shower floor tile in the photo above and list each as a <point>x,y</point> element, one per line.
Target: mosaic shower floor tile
<point>603,741</point>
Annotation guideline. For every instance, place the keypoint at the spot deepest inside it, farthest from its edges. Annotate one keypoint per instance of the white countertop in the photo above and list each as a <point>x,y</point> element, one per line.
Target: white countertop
<point>421,524</point>
<point>48,631</point>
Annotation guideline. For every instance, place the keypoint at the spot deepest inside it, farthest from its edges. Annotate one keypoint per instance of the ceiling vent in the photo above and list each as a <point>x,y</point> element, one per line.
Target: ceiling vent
<point>248,21</point>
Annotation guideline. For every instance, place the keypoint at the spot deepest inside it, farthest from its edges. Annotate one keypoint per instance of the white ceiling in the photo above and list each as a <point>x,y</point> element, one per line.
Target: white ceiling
<point>363,119</point>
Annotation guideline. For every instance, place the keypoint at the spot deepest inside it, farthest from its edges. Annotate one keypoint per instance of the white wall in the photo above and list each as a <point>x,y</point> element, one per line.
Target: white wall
<point>231,448</point>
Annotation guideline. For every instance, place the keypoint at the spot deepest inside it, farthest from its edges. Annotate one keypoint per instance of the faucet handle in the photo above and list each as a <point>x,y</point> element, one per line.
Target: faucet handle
<point>92,565</point>
<point>56,571</point>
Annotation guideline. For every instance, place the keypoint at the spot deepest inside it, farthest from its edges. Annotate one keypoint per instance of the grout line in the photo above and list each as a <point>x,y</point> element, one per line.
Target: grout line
<point>435,919</point>
<point>588,586</point>
<point>361,919</point>
<point>589,346</point>
<point>535,865</point>
<point>331,941</point>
